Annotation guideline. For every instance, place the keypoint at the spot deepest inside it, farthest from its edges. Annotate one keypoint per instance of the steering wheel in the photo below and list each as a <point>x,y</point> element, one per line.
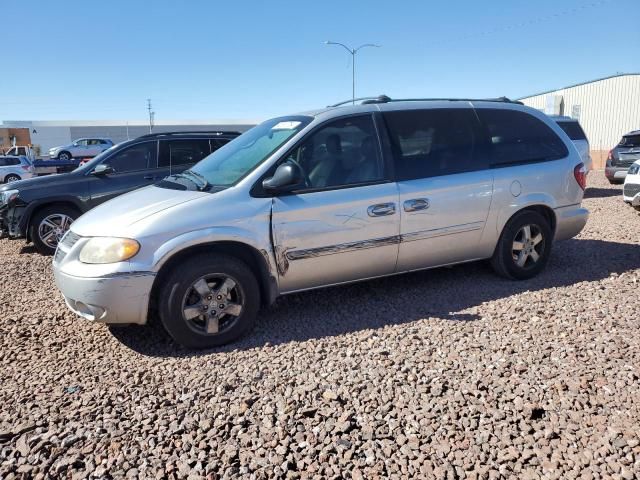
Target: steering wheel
<point>305,177</point>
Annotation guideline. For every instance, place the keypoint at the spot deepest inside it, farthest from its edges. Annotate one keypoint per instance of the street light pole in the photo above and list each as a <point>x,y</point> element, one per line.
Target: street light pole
<point>353,52</point>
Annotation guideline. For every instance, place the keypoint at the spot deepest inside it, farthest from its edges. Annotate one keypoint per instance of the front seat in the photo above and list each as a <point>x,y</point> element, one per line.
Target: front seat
<point>322,172</point>
<point>366,169</point>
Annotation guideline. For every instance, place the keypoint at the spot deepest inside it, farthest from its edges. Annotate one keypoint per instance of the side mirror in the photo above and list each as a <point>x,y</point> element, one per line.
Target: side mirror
<point>102,169</point>
<point>286,178</point>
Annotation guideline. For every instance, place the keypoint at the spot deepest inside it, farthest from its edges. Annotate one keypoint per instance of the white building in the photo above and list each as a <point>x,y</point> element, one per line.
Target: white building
<point>607,108</point>
<point>47,134</point>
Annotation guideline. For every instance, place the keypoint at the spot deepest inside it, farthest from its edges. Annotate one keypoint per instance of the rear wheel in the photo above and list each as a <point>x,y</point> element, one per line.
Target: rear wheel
<point>49,225</point>
<point>12,177</point>
<point>524,246</point>
<point>616,182</point>
<point>210,300</point>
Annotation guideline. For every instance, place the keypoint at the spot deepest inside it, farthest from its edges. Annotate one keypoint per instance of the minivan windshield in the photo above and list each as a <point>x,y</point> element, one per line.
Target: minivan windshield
<point>238,158</point>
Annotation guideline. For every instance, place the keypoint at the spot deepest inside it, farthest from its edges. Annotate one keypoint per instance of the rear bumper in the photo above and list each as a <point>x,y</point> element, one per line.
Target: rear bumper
<point>121,298</point>
<point>570,221</point>
<point>616,173</point>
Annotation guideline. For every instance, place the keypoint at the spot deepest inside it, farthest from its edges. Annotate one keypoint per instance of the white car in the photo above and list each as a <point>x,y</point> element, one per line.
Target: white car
<point>14,168</point>
<point>81,148</point>
<point>631,190</point>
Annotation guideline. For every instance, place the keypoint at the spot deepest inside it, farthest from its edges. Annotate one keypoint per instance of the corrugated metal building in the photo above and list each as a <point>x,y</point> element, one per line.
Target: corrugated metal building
<point>47,134</point>
<point>606,108</point>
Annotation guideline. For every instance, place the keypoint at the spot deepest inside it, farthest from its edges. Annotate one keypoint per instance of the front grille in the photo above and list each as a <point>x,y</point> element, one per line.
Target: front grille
<point>69,240</point>
<point>59,256</point>
<point>631,189</point>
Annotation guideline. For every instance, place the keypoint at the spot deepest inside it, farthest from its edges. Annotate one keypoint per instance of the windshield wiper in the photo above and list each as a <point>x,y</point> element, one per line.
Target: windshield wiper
<point>200,181</point>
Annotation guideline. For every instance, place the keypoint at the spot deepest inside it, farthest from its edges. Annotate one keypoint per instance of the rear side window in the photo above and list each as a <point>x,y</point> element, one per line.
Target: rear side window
<point>9,161</point>
<point>573,130</point>
<point>183,152</point>
<point>630,141</point>
<point>517,137</point>
<point>429,143</point>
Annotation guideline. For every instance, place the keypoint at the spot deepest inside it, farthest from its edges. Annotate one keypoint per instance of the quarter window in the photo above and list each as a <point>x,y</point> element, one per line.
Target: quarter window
<point>183,152</point>
<point>429,143</point>
<point>518,137</point>
<point>344,152</point>
<point>136,157</point>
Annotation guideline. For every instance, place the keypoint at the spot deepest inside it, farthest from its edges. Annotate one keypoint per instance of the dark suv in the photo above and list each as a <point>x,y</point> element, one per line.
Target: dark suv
<point>622,157</point>
<point>42,209</point>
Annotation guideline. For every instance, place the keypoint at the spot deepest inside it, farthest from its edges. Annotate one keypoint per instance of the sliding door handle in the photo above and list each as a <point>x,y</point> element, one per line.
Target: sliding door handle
<point>416,204</point>
<point>381,209</point>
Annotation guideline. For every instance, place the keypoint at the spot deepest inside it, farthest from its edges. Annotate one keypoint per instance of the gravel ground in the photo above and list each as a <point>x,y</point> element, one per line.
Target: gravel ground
<point>451,373</point>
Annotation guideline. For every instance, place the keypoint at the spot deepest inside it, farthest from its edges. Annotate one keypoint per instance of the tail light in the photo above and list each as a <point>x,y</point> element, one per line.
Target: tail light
<point>26,168</point>
<point>580,173</point>
<point>610,156</point>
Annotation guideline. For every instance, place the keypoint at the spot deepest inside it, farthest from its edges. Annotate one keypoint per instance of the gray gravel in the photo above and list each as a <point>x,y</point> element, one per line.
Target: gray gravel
<point>451,373</point>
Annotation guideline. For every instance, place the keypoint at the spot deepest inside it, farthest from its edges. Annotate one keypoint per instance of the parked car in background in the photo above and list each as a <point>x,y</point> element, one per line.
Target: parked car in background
<point>342,194</point>
<point>631,189</point>
<point>622,157</point>
<point>574,131</point>
<point>13,168</point>
<point>81,148</point>
<point>42,209</point>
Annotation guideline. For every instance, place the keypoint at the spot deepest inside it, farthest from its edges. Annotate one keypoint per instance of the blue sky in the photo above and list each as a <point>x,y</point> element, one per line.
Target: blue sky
<point>254,59</point>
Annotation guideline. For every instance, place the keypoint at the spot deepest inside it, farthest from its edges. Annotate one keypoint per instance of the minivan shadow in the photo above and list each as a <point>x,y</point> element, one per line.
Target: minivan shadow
<point>443,293</point>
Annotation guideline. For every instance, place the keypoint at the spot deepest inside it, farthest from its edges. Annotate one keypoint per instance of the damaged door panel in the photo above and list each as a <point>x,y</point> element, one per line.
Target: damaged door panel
<point>323,238</point>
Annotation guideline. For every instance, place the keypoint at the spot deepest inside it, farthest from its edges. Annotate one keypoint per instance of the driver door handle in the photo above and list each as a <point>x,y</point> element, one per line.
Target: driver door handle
<point>381,209</point>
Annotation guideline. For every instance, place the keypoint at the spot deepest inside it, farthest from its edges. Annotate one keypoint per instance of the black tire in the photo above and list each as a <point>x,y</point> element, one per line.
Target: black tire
<point>637,207</point>
<point>178,293</point>
<point>616,182</point>
<point>64,155</point>
<point>12,177</point>
<point>42,246</point>
<point>503,261</point>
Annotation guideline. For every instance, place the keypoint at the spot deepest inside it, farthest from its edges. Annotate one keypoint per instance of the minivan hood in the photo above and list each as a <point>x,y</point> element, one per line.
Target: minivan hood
<point>121,212</point>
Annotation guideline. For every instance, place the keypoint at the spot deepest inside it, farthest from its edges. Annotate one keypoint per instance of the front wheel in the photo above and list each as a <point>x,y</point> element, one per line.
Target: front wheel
<point>210,300</point>
<point>48,226</point>
<point>524,246</point>
<point>64,156</point>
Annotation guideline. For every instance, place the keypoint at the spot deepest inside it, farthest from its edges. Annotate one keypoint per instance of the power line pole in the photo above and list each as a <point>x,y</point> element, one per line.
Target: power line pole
<point>152,115</point>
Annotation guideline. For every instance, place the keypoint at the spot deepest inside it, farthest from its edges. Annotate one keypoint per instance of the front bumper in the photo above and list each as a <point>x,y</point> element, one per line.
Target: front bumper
<point>11,222</point>
<point>570,221</point>
<point>118,298</point>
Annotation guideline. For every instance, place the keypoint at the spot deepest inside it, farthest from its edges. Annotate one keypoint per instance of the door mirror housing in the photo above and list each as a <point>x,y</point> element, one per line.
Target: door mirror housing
<point>102,169</point>
<point>287,177</point>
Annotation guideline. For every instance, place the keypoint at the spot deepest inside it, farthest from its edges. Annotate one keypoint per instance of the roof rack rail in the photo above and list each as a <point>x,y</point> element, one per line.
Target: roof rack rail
<point>386,99</point>
<point>208,132</point>
<point>498,99</point>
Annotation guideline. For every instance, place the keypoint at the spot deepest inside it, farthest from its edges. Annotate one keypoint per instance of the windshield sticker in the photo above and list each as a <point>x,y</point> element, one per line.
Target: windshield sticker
<point>290,125</point>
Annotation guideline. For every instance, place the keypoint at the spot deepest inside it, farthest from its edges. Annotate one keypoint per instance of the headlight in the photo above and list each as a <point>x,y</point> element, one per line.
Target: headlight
<point>108,250</point>
<point>634,169</point>
<point>8,195</point>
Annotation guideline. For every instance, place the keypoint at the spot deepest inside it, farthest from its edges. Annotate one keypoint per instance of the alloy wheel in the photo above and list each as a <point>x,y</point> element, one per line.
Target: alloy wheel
<point>528,246</point>
<point>212,304</point>
<point>53,227</point>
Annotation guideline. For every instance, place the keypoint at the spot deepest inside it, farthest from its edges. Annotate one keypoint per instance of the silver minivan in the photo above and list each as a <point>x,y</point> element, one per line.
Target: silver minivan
<point>342,194</point>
